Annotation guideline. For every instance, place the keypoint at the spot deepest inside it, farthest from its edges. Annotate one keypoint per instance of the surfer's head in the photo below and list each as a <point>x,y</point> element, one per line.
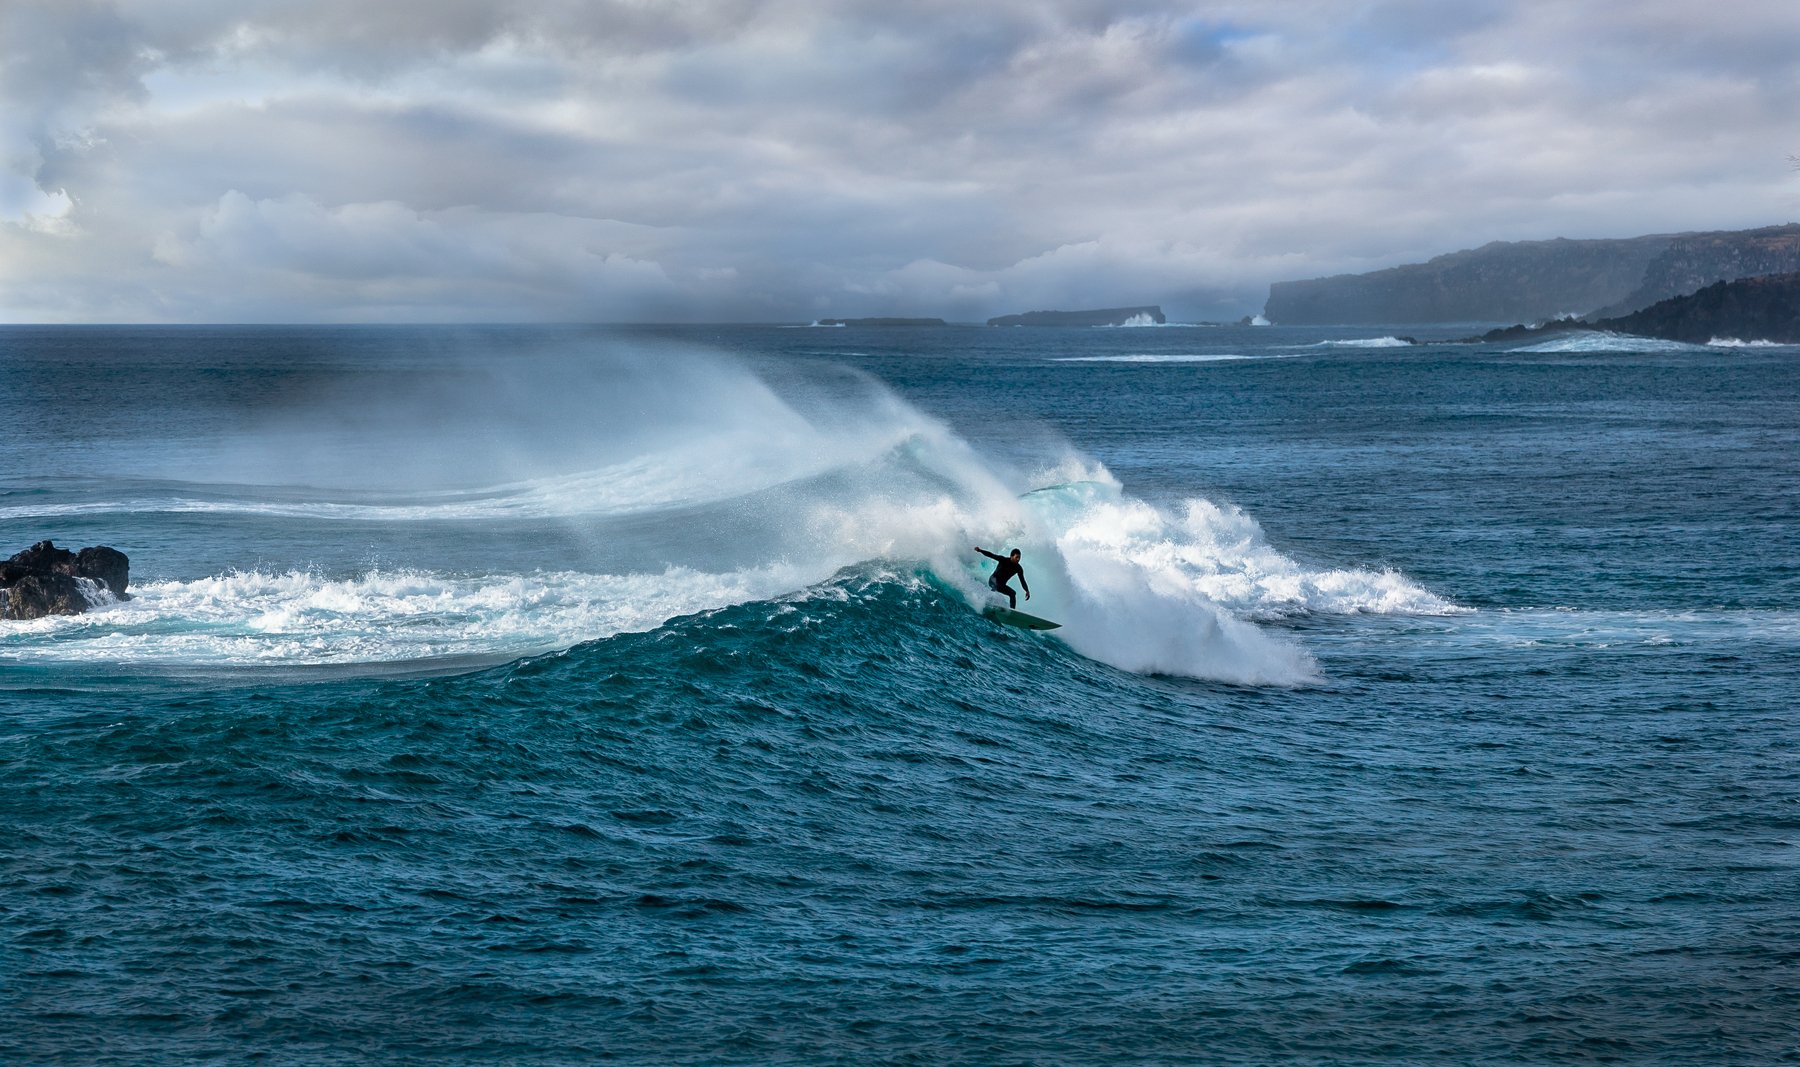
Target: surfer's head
<point>1015,554</point>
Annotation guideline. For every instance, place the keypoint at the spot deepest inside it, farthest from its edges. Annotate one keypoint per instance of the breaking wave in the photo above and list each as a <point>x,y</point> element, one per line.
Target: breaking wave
<point>1732,342</point>
<point>1365,342</point>
<point>704,486</point>
<point>1604,341</point>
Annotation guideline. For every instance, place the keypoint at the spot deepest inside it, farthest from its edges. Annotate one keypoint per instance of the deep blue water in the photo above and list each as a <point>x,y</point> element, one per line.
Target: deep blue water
<point>563,695</point>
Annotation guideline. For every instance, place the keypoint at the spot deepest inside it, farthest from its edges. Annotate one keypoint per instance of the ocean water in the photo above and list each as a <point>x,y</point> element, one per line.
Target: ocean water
<point>559,695</point>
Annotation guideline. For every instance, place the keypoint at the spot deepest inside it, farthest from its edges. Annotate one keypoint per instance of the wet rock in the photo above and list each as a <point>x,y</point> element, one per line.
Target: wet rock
<point>46,580</point>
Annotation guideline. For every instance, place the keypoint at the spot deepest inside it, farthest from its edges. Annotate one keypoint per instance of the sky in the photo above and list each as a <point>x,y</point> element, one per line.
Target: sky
<point>730,160</point>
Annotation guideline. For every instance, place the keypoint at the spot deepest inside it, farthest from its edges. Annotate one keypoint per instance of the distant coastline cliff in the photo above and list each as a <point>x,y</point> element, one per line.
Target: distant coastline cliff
<point>1526,281</point>
<point>1096,317</point>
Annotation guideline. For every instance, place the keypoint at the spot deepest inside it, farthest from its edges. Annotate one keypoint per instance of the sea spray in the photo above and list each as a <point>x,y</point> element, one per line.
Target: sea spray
<point>1153,592</point>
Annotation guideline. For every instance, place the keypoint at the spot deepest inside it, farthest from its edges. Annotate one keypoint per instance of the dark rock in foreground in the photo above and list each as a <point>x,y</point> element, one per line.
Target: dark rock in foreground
<point>46,580</point>
<point>1096,317</point>
<point>1749,309</point>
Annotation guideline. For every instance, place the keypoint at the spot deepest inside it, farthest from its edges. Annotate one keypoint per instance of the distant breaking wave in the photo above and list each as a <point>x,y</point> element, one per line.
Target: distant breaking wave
<point>1178,592</point>
<point>1605,341</point>
<point>1732,342</point>
<point>1365,342</point>
<point>1141,321</point>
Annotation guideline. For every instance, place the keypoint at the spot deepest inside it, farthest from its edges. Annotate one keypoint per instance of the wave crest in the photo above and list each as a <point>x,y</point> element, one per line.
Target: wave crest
<point>1604,341</point>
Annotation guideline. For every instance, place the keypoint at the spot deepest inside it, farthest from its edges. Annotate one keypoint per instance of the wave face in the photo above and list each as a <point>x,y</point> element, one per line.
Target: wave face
<point>1143,320</point>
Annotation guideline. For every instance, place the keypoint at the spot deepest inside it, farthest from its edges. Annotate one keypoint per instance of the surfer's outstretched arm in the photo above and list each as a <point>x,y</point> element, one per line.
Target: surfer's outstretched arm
<point>988,554</point>
<point>1025,585</point>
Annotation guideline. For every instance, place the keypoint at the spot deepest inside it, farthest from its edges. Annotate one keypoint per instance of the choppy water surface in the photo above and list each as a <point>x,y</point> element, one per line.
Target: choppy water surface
<point>556,695</point>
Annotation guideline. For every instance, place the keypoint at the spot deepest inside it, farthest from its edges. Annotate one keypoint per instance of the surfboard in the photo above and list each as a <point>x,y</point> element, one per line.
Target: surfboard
<point>1019,619</point>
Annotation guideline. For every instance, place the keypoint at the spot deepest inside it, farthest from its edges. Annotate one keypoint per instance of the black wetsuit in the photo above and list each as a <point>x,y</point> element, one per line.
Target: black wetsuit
<point>1007,570</point>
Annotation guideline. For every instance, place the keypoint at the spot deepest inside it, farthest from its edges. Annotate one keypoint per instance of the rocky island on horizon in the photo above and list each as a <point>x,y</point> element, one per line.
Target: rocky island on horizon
<point>1149,313</point>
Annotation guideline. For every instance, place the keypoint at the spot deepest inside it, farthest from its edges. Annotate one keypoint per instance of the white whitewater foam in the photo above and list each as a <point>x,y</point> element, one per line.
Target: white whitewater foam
<point>1153,592</point>
<point>1141,321</point>
<point>1365,342</point>
<point>1732,342</point>
<point>297,618</point>
<point>1603,341</point>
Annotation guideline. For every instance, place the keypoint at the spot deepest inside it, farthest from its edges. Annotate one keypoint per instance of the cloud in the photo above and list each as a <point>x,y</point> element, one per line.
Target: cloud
<point>718,159</point>
<point>358,260</point>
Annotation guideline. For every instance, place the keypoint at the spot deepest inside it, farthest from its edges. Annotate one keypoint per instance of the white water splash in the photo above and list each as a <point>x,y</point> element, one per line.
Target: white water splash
<point>1732,342</point>
<point>1365,342</point>
<point>1588,341</point>
<point>1155,592</point>
<point>1143,320</point>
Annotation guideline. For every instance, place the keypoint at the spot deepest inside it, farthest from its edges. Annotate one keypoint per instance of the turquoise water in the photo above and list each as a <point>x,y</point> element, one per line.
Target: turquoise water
<point>558,695</point>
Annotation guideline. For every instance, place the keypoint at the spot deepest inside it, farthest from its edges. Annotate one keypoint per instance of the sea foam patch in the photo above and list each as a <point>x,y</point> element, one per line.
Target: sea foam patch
<point>1733,342</point>
<point>298,618</point>
<point>1604,341</point>
<point>1182,592</point>
<point>1365,342</point>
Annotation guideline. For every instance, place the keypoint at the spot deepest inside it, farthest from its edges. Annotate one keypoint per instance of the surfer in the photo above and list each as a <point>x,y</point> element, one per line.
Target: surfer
<point>1008,569</point>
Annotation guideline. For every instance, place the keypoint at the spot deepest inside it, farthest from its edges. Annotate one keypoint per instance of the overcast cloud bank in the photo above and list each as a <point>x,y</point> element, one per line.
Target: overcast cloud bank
<point>429,160</point>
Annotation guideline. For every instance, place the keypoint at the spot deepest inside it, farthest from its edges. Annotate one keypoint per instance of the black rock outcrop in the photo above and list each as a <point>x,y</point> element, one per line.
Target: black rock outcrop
<point>1095,317</point>
<point>46,580</point>
<point>1748,309</point>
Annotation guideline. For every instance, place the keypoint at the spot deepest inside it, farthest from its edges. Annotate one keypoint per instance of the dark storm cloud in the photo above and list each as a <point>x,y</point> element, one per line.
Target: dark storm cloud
<point>567,159</point>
